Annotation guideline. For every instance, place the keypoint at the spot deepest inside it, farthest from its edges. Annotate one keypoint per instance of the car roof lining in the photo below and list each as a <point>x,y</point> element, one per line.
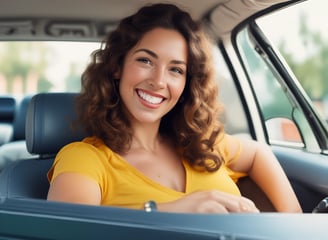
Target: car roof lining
<point>234,12</point>
<point>91,20</point>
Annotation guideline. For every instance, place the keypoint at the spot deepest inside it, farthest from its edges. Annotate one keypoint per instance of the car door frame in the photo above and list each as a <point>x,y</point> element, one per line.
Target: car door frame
<point>305,169</point>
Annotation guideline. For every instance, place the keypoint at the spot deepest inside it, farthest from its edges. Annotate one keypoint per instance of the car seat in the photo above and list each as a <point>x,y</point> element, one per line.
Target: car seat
<point>16,148</point>
<point>49,126</point>
<point>7,111</point>
<point>20,118</point>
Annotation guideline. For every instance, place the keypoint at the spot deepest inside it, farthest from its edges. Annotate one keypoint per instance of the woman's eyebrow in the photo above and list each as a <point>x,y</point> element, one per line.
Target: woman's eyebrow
<point>151,53</point>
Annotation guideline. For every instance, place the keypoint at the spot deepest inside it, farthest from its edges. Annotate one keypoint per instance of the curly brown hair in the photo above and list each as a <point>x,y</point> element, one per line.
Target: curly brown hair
<point>192,125</point>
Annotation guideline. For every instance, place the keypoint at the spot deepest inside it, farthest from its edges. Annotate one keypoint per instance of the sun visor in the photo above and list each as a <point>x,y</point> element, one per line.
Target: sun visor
<point>229,14</point>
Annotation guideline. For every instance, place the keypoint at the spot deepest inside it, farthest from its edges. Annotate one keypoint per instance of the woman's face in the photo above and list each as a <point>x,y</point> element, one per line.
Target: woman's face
<point>154,75</point>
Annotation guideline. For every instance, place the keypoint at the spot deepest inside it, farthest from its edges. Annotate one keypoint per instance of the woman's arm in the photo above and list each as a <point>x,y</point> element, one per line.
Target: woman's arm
<point>260,163</point>
<point>74,188</point>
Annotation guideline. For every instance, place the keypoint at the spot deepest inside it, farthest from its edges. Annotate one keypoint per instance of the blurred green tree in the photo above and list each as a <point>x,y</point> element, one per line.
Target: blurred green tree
<point>311,71</point>
<point>21,59</point>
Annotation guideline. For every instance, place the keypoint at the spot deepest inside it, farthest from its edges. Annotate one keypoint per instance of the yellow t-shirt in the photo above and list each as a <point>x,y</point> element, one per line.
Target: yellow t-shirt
<point>123,185</point>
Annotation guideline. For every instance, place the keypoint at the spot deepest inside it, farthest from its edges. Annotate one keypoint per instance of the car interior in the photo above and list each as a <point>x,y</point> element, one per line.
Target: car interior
<point>34,127</point>
<point>46,128</point>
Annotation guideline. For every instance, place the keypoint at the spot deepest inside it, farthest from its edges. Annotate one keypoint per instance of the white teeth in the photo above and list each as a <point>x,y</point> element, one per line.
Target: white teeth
<point>149,98</point>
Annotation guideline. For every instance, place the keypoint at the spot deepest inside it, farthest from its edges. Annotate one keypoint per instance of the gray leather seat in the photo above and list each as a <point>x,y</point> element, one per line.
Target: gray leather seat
<point>20,118</point>
<point>16,148</point>
<point>7,112</point>
<point>48,128</point>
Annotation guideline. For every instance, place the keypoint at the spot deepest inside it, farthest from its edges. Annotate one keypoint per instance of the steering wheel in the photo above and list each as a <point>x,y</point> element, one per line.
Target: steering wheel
<point>322,207</point>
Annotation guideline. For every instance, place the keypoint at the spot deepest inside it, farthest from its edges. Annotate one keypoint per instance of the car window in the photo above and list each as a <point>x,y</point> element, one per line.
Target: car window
<point>276,108</point>
<point>28,67</point>
<point>284,119</point>
<point>302,39</point>
<point>233,116</point>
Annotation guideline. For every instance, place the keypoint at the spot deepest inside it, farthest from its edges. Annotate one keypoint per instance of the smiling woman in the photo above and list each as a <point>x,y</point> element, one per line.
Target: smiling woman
<point>153,85</point>
<point>191,162</point>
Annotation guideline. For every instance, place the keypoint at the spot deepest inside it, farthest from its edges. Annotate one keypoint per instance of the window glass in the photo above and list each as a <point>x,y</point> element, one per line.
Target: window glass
<point>284,121</point>
<point>32,67</point>
<point>302,39</point>
<point>233,116</point>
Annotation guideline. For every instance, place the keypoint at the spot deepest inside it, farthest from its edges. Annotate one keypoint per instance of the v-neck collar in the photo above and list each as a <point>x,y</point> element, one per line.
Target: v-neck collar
<point>138,173</point>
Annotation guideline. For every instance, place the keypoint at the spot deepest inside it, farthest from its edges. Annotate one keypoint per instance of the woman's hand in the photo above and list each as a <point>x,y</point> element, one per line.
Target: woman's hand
<point>210,202</point>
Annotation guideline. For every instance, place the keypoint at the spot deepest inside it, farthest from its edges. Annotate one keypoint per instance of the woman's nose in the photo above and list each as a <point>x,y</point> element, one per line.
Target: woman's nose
<point>157,79</point>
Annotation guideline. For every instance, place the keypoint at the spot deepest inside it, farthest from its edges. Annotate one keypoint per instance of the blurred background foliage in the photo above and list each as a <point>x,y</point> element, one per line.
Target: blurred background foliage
<point>311,71</point>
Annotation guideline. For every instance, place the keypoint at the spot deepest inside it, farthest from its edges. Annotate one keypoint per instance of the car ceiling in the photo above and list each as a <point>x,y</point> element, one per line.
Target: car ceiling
<point>26,19</point>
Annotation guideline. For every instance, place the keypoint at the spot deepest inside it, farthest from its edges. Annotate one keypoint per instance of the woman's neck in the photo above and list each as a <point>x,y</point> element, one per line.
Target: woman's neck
<point>146,138</point>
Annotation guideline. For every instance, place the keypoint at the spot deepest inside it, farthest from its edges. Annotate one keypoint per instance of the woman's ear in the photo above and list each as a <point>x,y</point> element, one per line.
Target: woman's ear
<point>117,74</point>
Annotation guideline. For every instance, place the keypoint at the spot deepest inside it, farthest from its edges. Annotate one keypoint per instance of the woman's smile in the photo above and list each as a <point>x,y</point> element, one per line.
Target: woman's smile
<point>151,98</point>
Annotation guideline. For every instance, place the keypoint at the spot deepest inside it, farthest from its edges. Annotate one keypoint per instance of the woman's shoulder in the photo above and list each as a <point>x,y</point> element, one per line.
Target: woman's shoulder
<point>88,146</point>
<point>228,147</point>
<point>85,157</point>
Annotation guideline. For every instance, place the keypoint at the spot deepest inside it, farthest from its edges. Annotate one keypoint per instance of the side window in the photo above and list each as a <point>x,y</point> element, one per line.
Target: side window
<point>284,121</point>
<point>302,40</point>
<point>233,116</point>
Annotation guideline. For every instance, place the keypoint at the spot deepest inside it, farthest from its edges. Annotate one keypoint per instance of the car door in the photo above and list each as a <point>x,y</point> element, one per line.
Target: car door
<point>290,112</point>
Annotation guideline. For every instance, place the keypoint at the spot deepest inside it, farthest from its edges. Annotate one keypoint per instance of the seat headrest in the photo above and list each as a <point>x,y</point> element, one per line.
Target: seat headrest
<point>7,108</point>
<point>20,118</point>
<point>50,123</point>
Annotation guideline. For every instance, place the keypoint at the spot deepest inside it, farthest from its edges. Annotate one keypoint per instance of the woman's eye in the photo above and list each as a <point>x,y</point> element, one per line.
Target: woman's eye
<point>177,70</point>
<point>144,60</point>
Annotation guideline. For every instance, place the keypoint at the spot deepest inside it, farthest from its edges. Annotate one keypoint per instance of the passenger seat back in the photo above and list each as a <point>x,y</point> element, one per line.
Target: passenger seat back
<point>16,148</point>
<point>49,127</point>
<point>7,111</point>
<point>20,118</point>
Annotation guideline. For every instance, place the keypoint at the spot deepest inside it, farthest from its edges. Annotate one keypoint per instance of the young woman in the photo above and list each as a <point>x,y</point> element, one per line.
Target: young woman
<point>149,102</point>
